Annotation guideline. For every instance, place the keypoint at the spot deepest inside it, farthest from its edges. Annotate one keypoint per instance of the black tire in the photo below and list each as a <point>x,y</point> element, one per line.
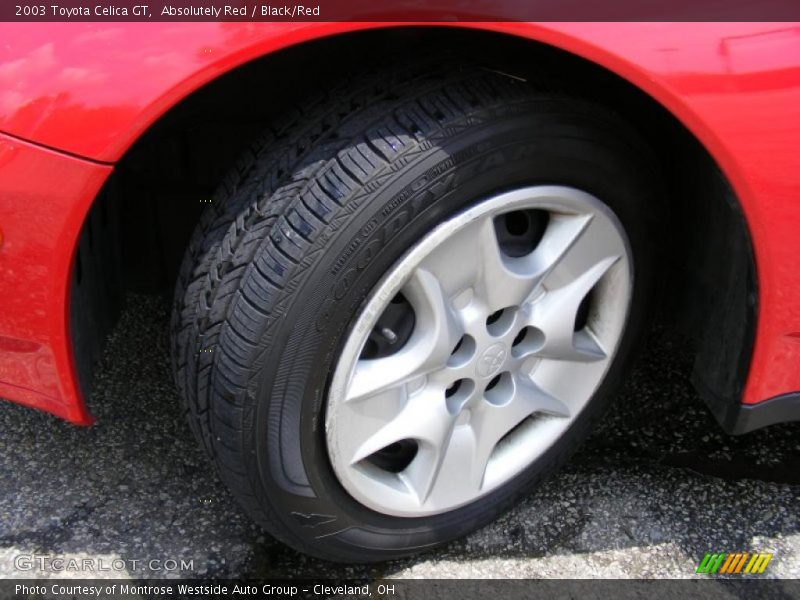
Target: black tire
<point>277,271</point>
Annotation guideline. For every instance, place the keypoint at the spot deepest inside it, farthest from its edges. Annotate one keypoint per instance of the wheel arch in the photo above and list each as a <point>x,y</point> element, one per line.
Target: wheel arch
<point>641,87</point>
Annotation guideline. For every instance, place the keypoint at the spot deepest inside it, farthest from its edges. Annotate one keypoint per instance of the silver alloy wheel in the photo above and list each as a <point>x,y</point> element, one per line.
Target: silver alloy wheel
<point>495,368</point>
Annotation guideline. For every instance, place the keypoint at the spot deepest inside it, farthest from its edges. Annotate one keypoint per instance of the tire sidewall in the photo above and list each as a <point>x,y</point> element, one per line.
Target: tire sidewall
<point>540,145</point>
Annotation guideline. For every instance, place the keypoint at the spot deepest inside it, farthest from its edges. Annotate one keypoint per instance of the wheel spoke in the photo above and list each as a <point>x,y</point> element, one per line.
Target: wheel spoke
<point>528,393</point>
<point>366,419</point>
<point>445,478</point>
<point>490,422</point>
<point>436,333</point>
<point>573,246</point>
<point>497,284</point>
<point>555,314</point>
<point>578,253</point>
<point>472,258</point>
<point>422,419</point>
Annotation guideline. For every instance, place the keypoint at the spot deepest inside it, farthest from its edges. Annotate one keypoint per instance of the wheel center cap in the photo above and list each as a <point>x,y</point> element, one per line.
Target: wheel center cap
<point>491,360</point>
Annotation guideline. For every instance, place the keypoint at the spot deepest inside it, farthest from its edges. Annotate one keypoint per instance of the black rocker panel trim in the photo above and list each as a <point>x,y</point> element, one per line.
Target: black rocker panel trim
<point>749,417</point>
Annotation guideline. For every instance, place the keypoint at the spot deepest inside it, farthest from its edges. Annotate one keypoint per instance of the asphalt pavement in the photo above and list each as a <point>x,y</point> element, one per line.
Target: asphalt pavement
<point>656,487</point>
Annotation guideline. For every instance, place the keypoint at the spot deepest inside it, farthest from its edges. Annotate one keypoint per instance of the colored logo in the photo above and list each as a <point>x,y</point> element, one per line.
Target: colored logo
<point>722,563</point>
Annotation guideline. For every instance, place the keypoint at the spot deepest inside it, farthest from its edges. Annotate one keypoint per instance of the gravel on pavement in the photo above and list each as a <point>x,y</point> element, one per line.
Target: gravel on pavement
<point>656,486</point>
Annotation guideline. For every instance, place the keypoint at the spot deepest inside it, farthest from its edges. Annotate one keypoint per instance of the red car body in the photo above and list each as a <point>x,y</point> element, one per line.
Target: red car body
<point>74,97</point>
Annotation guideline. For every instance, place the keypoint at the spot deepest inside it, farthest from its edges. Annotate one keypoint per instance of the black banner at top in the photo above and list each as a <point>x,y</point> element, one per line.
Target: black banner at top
<point>398,10</point>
